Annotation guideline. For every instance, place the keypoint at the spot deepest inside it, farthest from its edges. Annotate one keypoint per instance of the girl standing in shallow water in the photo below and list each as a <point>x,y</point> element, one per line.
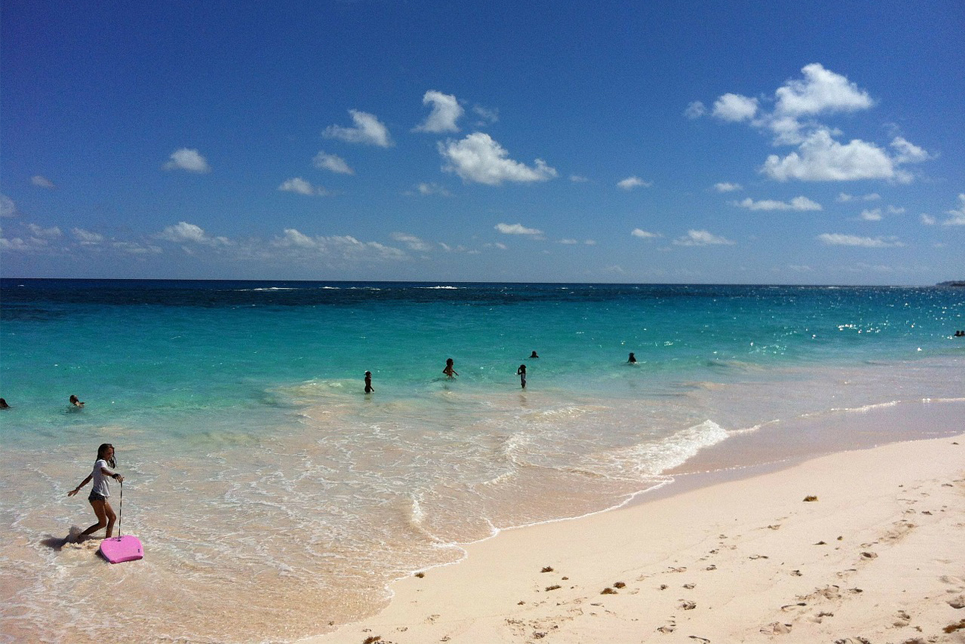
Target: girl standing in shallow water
<point>103,471</point>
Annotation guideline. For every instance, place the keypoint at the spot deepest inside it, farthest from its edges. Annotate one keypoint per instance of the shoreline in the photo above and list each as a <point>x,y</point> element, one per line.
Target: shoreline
<point>699,530</point>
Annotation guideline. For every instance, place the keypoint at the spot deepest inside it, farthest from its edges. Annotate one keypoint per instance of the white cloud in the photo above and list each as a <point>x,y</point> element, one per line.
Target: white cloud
<point>445,112</point>
<point>871,215</point>
<point>821,91</point>
<point>428,189</point>
<point>927,219</point>
<point>294,238</point>
<point>957,215</point>
<point>331,162</point>
<point>896,210</point>
<point>568,242</point>
<point>187,159</point>
<point>184,232</point>
<point>822,158</point>
<point>42,182</point>
<point>480,159</point>
<point>44,233</point>
<point>728,187</point>
<point>590,242</point>
<point>7,207</point>
<point>837,239</point>
<point>695,110</point>
<point>800,204</point>
<point>701,238</point>
<point>906,152</point>
<point>735,108</point>
<point>134,248</point>
<point>302,187</point>
<point>87,238</point>
<point>844,197</point>
<point>575,178</point>
<point>819,156</point>
<point>634,182</point>
<point>367,130</point>
<point>486,115</point>
<point>14,244</point>
<point>643,234</point>
<point>412,242</point>
<point>517,229</point>
<point>336,248</point>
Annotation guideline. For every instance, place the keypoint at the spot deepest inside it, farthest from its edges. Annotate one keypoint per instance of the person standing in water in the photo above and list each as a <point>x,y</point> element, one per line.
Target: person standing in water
<point>632,359</point>
<point>73,400</point>
<point>449,371</point>
<point>521,372</point>
<point>101,492</point>
<point>368,382</point>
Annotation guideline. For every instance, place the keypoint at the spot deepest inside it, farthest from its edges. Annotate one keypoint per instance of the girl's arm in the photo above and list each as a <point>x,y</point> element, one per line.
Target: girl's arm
<point>83,483</point>
<point>113,475</point>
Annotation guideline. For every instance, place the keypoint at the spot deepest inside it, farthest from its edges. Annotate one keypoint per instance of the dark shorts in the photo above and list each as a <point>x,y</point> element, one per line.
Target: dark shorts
<point>94,496</point>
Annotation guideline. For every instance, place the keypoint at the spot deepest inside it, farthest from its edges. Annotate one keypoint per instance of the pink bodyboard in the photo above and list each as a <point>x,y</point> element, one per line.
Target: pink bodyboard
<point>120,549</point>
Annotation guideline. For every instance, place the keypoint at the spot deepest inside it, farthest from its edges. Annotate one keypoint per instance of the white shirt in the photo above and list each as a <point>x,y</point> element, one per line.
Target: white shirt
<point>101,480</point>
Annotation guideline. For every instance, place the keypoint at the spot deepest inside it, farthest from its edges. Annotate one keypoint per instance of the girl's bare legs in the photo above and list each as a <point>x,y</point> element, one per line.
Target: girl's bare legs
<point>105,517</point>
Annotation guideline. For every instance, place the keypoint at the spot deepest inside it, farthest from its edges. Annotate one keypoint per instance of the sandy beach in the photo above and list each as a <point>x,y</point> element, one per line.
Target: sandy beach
<point>861,546</point>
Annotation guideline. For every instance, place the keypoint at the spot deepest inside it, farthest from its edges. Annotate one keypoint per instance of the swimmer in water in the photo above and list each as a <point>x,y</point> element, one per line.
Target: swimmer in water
<point>368,382</point>
<point>449,371</point>
<point>533,355</point>
<point>75,402</point>
<point>632,359</point>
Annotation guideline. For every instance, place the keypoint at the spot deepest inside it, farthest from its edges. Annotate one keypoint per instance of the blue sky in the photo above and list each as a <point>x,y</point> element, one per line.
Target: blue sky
<point>745,142</point>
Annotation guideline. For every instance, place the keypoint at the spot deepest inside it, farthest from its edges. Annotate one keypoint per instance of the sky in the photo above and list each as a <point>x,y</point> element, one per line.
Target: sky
<point>549,141</point>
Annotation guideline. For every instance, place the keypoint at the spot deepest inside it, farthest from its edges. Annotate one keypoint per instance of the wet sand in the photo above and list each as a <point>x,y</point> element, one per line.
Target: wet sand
<point>863,545</point>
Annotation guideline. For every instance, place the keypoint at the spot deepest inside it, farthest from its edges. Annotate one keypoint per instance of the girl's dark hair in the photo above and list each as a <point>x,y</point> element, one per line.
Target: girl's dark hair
<point>102,450</point>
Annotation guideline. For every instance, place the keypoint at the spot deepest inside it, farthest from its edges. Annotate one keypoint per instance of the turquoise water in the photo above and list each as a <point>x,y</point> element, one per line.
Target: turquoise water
<point>263,481</point>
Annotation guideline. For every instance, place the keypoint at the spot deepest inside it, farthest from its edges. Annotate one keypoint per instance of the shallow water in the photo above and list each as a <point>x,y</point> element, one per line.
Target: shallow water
<point>275,499</point>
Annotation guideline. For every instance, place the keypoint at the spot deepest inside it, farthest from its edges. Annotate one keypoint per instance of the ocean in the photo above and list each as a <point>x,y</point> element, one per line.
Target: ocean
<point>276,500</point>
